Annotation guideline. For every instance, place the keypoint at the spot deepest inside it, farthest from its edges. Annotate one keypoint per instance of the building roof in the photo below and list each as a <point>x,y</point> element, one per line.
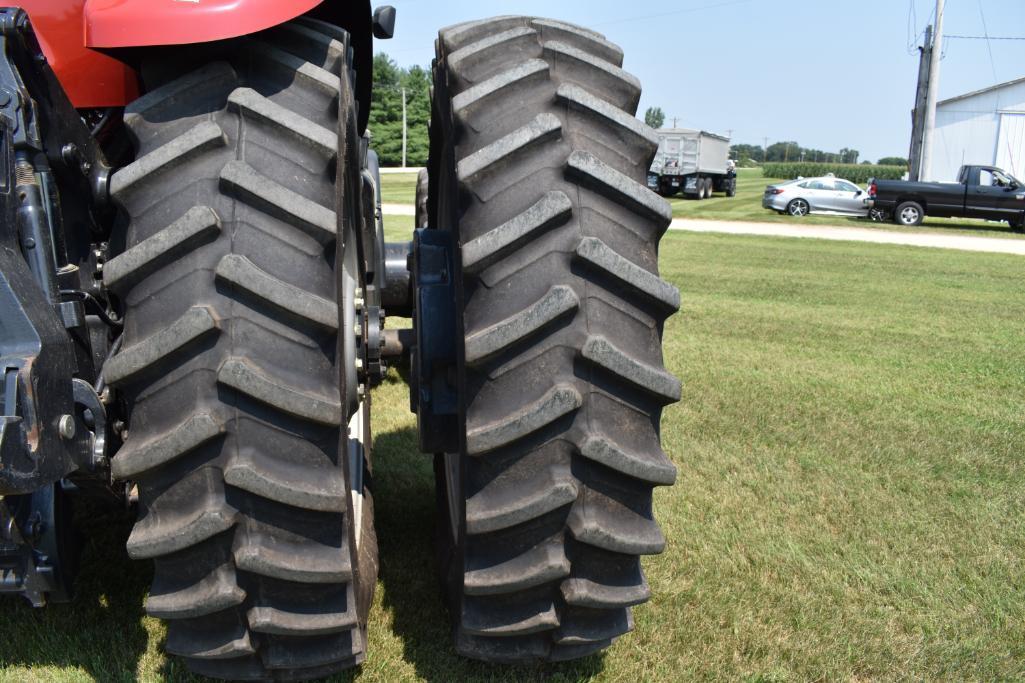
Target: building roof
<point>998,86</point>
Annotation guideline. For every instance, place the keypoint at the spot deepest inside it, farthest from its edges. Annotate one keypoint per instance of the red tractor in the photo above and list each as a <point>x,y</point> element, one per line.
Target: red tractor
<point>193,288</point>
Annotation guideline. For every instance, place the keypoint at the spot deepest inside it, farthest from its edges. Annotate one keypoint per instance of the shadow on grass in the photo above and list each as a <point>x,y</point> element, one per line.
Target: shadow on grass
<point>405,516</point>
<point>100,632</point>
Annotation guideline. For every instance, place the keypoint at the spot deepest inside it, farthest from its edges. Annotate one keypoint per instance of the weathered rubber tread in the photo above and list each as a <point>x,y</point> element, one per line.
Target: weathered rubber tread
<point>312,44</point>
<point>247,276</point>
<point>557,302</point>
<point>245,377</point>
<point>138,457</point>
<point>615,528</point>
<point>587,593</point>
<point>299,561</point>
<point>580,38</point>
<point>598,254</point>
<point>627,127</point>
<point>320,489</point>
<point>655,381</point>
<point>517,554</point>
<point>466,102</point>
<point>557,402</point>
<point>313,75</point>
<point>604,76</point>
<point>544,563</point>
<point>489,510</point>
<point>654,467</point>
<point>466,59</point>
<point>581,625</point>
<point>202,643</point>
<point>314,653</point>
<point>201,137</point>
<point>553,208</point>
<point>544,127</point>
<point>217,591</point>
<point>217,75</point>
<point>198,224</point>
<point>319,222</point>
<point>607,180</point>
<point>480,620</point>
<point>144,356</point>
<point>282,125</point>
<point>153,537</point>
<point>252,103</point>
<point>263,619</point>
<point>464,33</point>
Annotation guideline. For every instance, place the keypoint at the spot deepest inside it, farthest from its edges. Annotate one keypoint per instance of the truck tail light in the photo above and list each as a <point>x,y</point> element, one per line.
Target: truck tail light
<point>872,190</point>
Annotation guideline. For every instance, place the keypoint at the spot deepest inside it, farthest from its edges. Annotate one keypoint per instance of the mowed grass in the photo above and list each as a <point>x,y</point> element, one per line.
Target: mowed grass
<point>400,188</point>
<point>849,504</point>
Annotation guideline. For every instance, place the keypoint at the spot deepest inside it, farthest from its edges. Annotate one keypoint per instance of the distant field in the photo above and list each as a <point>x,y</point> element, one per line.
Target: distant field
<point>849,505</point>
<point>400,188</point>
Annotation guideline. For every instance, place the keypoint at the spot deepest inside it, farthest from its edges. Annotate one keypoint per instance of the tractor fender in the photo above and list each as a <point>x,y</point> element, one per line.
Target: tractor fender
<point>139,23</point>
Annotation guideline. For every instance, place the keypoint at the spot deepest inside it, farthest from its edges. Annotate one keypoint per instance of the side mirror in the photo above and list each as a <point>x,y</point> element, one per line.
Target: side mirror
<point>858,193</point>
<point>384,22</point>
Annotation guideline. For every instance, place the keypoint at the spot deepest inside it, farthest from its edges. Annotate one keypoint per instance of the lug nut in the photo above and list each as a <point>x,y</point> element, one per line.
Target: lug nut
<point>66,427</point>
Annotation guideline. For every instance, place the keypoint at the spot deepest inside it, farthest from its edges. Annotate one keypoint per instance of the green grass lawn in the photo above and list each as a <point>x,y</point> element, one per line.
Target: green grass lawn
<point>400,188</point>
<point>850,502</point>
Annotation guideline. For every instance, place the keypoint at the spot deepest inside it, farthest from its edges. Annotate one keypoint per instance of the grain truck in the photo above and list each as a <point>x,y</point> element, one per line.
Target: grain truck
<point>694,162</point>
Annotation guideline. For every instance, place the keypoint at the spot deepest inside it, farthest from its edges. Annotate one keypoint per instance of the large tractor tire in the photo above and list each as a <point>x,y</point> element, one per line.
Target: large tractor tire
<point>539,166</point>
<point>248,436</point>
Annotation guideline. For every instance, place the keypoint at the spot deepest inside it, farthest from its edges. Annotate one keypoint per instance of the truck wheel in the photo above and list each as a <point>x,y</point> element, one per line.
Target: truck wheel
<point>798,207</point>
<point>545,511</point>
<point>731,187</point>
<point>909,214</point>
<point>248,435</point>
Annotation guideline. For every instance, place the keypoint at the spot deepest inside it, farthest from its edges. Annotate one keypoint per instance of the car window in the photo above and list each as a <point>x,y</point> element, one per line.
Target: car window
<point>844,186</point>
<point>805,185</point>
<point>985,178</point>
<point>822,185</point>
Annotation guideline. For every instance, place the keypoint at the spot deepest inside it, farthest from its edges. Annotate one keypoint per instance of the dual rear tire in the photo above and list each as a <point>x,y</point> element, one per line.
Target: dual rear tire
<point>249,438</point>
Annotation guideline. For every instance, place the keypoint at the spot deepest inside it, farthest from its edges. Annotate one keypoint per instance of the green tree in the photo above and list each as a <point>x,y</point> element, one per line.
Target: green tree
<point>893,161</point>
<point>390,81</point>
<point>654,117</point>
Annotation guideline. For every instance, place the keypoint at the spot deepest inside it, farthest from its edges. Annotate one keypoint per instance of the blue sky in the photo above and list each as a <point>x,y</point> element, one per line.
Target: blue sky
<point>825,73</point>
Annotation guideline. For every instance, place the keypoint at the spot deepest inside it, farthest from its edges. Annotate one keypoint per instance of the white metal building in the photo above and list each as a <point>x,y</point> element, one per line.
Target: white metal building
<point>982,127</point>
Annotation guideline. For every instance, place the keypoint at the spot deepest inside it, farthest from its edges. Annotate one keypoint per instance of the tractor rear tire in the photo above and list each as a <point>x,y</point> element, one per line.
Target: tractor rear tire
<point>250,456</point>
<point>539,166</point>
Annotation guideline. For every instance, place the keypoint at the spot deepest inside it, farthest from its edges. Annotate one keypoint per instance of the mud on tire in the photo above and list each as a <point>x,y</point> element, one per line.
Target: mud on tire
<point>539,165</point>
<point>231,360</point>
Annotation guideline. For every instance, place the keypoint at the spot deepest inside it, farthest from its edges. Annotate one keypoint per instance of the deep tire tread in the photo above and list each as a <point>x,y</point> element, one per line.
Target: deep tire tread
<point>563,314</point>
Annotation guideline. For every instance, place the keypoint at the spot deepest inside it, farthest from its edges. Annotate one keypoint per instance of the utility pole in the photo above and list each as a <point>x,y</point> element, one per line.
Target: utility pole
<point>674,122</point>
<point>403,128</point>
<point>918,113</point>
<point>765,150</point>
<point>930,96</point>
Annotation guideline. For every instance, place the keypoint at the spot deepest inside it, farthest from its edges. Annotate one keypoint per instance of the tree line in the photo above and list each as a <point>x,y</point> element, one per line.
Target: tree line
<point>784,151</point>
<point>385,124</point>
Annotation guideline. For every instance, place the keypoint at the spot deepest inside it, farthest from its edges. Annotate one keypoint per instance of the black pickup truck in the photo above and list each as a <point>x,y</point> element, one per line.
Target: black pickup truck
<point>980,192</point>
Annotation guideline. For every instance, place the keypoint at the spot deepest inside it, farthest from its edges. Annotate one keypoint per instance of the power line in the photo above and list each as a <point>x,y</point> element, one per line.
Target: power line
<point>986,37</point>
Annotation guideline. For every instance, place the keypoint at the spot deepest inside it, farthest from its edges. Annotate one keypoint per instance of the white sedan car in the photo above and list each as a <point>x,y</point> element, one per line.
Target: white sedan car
<point>816,195</point>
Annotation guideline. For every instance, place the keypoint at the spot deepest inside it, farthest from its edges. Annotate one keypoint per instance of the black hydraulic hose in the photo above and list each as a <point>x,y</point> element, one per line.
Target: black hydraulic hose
<point>100,310</point>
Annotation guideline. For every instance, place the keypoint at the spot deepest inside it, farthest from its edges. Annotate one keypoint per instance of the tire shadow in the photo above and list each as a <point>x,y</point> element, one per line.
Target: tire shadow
<point>101,632</point>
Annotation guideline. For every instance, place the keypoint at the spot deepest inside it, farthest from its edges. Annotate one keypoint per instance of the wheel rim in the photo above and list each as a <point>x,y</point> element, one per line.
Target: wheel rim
<point>909,215</point>
<point>798,208</point>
